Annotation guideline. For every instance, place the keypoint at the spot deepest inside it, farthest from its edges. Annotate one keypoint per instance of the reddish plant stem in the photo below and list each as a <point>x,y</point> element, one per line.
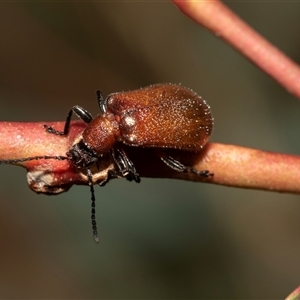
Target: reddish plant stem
<point>295,295</point>
<point>216,17</point>
<point>232,165</point>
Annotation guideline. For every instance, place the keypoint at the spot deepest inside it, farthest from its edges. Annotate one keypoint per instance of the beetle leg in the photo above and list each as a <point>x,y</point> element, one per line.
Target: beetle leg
<point>101,102</point>
<point>133,175</point>
<point>179,167</point>
<point>125,166</point>
<point>83,114</point>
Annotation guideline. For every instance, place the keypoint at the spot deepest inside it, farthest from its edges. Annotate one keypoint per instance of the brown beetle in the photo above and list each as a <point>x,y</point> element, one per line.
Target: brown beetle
<point>158,116</point>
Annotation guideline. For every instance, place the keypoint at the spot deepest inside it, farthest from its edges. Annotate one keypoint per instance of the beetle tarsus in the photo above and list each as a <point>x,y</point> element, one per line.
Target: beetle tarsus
<point>179,167</point>
<point>50,129</point>
<point>204,173</point>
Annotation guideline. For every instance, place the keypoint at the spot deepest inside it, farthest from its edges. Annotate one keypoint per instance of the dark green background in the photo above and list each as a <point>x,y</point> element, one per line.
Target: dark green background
<point>161,238</point>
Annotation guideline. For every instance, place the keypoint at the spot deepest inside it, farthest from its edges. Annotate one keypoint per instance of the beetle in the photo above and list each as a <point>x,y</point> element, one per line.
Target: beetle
<point>158,116</point>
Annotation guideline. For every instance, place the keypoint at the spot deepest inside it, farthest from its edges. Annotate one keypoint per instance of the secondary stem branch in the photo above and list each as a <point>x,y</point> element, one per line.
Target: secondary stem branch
<point>216,17</point>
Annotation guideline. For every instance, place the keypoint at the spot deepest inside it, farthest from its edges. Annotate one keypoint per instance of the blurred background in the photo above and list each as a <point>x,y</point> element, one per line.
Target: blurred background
<point>160,238</point>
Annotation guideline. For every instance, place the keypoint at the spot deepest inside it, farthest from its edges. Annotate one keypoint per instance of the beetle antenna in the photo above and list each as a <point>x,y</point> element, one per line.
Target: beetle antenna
<point>20,160</point>
<point>93,205</point>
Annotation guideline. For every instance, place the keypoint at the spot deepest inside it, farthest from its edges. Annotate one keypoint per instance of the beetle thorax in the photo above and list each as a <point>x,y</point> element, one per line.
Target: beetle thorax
<point>102,133</point>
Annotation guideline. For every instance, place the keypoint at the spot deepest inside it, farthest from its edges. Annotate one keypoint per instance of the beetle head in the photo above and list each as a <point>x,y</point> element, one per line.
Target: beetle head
<point>81,155</point>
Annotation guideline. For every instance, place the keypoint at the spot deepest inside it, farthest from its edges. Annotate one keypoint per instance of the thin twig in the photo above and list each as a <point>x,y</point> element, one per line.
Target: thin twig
<point>216,17</point>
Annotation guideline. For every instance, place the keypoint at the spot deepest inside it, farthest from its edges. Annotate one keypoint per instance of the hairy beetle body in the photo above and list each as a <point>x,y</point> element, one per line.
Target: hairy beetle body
<point>162,116</point>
